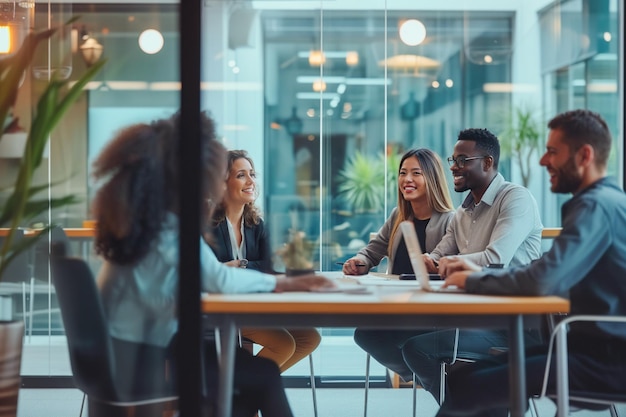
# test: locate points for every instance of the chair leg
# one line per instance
(82, 405)
(24, 305)
(414, 395)
(442, 383)
(367, 383)
(533, 407)
(313, 385)
(32, 309)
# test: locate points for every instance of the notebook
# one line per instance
(419, 268)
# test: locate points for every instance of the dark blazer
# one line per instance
(258, 250)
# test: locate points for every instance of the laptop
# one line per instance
(415, 255)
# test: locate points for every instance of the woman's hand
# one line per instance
(431, 265)
(310, 282)
(354, 266)
(233, 263)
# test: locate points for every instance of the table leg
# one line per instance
(517, 370)
(562, 377)
(228, 334)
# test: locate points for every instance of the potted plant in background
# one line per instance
(297, 253)
(520, 139)
(362, 186)
(24, 201)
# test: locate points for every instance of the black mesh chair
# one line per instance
(103, 368)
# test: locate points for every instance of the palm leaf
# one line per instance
(51, 106)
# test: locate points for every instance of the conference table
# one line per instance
(376, 306)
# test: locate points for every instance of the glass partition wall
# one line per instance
(326, 96)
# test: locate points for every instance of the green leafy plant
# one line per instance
(361, 185)
(362, 181)
(23, 204)
(521, 139)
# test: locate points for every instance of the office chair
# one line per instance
(445, 362)
(591, 400)
(98, 368)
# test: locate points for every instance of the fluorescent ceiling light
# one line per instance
(317, 96)
(509, 88)
(165, 86)
(368, 81)
(327, 54)
(602, 87)
(406, 62)
(304, 79)
(127, 85)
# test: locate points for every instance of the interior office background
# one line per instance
(325, 96)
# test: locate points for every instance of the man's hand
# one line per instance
(354, 266)
(450, 264)
(430, 263)
(234, 263)
(456, 270)
(309, 282)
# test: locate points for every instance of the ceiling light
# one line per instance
(317, 96)
(319, 85)
(414, 62)
(352, 58)
(412, 32)
(151, 41)
(91, 51)
(316, 58)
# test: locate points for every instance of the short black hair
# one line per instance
(485, 141)
(581, 127)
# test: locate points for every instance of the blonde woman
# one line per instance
(424, 198)
(241, 240)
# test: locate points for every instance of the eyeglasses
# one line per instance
(462, 159)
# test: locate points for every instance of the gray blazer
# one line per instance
(376, 249)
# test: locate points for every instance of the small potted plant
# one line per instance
(296, 254)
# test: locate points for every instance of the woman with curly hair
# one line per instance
(136, 209)
(241, 240)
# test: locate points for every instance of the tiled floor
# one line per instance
(332, 402)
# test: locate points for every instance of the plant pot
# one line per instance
(11, 338)
(297, 272)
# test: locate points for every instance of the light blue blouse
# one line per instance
(141, 300)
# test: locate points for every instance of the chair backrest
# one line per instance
(88, 340)
(41, 253)
(106, 369)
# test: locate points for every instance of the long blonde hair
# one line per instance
(437, 192)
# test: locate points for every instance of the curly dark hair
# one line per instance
(251, 213)
(140, 170)
(485, 141)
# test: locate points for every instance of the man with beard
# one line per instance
(587, 261)
(497, 223)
